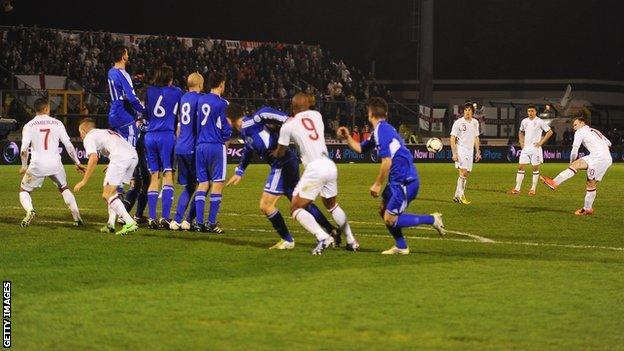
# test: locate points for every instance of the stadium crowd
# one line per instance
(268, 71)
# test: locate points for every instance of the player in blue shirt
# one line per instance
(214, 128)
(162, 99)
(260, 133)
(185, 151)
(124, 103)
(397, 165)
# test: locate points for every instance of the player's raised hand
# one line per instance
(375, 189)
(343, 132)
(234, 180)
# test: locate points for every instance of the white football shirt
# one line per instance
(109, 144)
(465, 131)
(532, 129)
(306, 129)
(43, 134)
(593, 140)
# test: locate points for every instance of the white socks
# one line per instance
(565, 175)
(341, 219)
(112, 217)
(534, 180)
(26, 201)
(70, 201)
(590, 196)
(519, 179)
(309, 223)
(461, 186)
(116, 205)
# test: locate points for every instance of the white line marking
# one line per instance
(472, 236)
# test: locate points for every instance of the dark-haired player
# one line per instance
(464, 140)
(214, 128)
(596, 163)
(397, 167)
(161, 102)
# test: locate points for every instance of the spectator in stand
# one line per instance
(356, 134)
(548, 112)
(568, 136)
(365, 133)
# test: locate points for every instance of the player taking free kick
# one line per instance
(596, 163)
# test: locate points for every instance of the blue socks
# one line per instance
(183, 202)
(320, 218)
(280, 226)
(200, 204)
(152, 203)
(167, 201)
(412, 220)
(397, 234)
(215, 205)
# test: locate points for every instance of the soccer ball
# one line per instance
(434, 145)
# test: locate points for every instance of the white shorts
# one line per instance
(319, 177)
(465, 160)
(597, 166)
(32, 180)
(120, 171)
(534, 157)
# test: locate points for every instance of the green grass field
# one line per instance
(549, 280)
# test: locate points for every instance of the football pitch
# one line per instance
(513, 273)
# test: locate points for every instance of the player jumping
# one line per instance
(122, 161)
(596, 163)
(464, 140)
(531, 141)
(162, 101)
(320, 175)
(42, 134)
(397, 166)
(259, 131)
(185, 152)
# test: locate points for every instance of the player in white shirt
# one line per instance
(123, 160)
(596, 163)
(464, 140)
(42, 134)
(531, 141)
(320, 175)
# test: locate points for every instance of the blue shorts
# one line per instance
(125, 125)
(186, 169)
(397, 196)
(159, 150)
(283, 179)
(210, 162)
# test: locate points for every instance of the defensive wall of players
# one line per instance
(342, 154)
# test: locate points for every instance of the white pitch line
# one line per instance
(517, 243)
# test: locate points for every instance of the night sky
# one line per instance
(474, 39)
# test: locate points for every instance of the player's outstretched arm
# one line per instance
(343, 133)
(93, 160)
(71, 151)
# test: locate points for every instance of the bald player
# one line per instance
(122, 161)
(320, 176)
